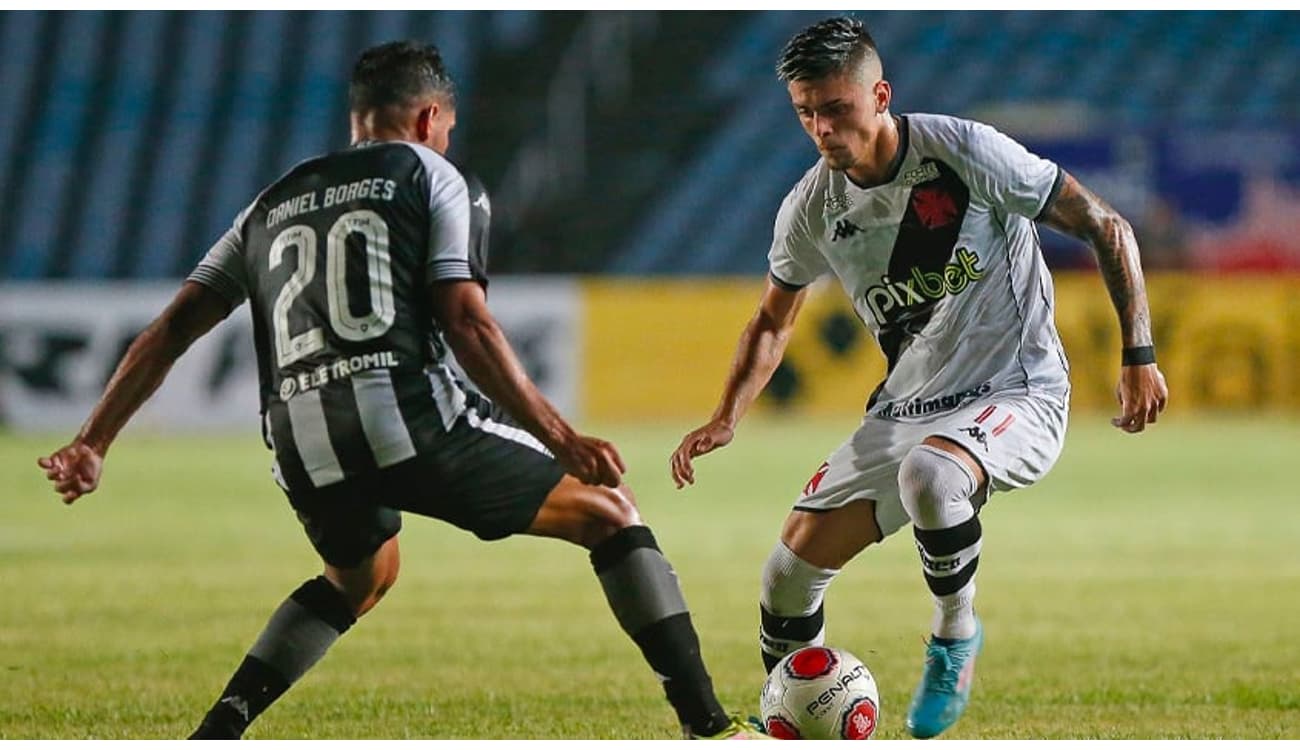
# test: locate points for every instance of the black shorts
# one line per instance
(488, 476)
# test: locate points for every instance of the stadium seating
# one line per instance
(130, 140)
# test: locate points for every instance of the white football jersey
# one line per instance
(942, 263)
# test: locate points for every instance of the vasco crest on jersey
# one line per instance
(934, 207)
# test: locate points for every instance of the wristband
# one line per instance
(1138, 355)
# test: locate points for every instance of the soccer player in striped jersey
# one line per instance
(928, 223)
(363, 269)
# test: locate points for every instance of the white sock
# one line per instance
(954, 614)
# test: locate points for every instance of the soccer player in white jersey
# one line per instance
(928, 223)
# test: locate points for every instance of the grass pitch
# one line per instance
(1148, 588)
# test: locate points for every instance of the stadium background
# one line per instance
(636, 160)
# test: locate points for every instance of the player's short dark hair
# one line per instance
(398, 74)
(826, 48)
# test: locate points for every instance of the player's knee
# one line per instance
(935, 487)
(611, 510)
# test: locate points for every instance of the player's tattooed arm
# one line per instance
(1141, 392)
(1078, 212)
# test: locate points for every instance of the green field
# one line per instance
(1148, 588)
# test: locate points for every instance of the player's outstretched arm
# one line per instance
(762, 344)
(460, 308)
(1078, 212)
(75, 468)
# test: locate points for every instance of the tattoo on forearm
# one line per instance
(1079, 213)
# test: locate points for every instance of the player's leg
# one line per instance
(943, 481)
(938, 482)
(814, 546)
(849, 503)
(359, 546)
(494, 479)
(642, 590)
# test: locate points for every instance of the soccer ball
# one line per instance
(820, 693)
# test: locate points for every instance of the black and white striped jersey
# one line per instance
(336, 259)
(942, 264)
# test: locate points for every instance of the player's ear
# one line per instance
(424, 121)
(882, 92)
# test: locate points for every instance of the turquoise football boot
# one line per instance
(945, 687)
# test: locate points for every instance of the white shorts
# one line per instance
(1015, 437)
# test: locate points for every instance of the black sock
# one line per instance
(642, 589)
(251, 690)
(949, 557)
(295, 638)
(780, 635)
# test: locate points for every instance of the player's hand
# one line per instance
(696, 443)
(1142, 395)
(591, 460)
(74, 469)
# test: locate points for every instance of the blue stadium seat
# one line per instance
(130, 140)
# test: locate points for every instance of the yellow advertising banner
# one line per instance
(661, 349)
(1223, 342)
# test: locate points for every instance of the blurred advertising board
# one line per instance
(619, 350)
(59, 343)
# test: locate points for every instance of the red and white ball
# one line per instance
(820, 693)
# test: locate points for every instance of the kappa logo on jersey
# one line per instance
(977, 432)
(934, 206)
(844, 228)
(482, 202)
(816, 480)
(977, 435)
(922, 287)
(924, 173)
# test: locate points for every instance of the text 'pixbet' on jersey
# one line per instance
(921, 287)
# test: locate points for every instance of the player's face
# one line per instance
(841, 114)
